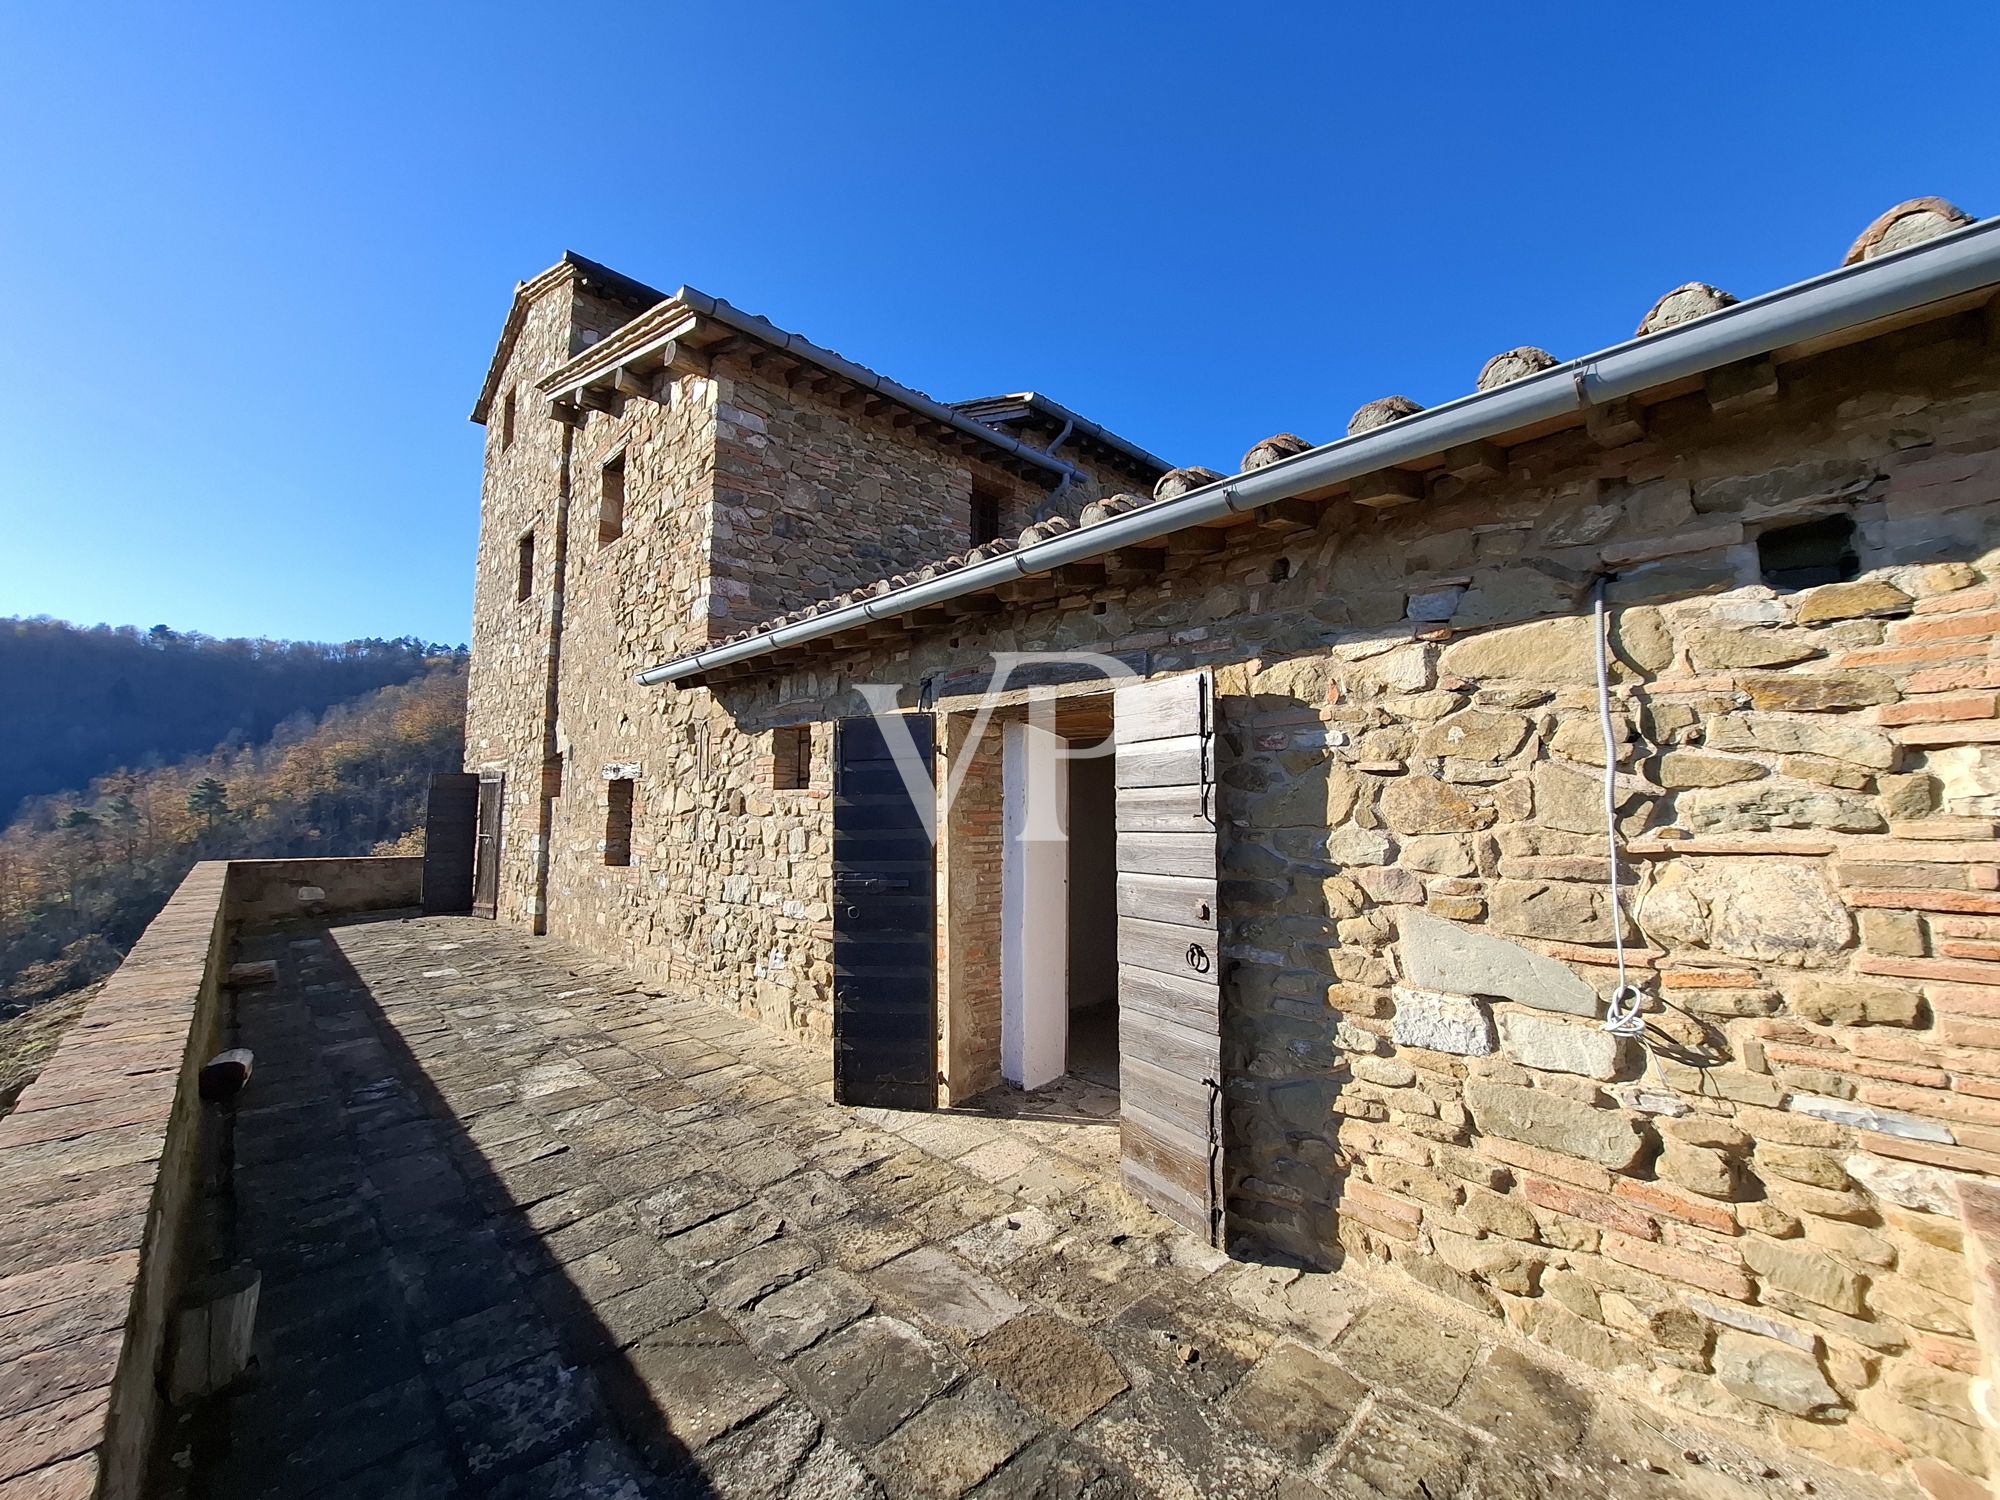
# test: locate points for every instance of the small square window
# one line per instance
(1808, 554)
(611, 501)
(618, 822)
(791, 758)
(524, 571)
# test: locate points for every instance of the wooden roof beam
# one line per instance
(1749, 382)
(1286, 515)
(1386, 488)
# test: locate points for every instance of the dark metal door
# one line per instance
(448, 840)
(486, 857)
(884, 921)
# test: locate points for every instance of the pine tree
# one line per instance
(209, 801)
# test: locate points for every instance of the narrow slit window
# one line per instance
(618, 823)
(1809, 554)
(611, 501)
(985, 515)
(524, 572)
(507, 421)
(791, 758)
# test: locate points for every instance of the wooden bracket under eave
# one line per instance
(1386, 489)
(1476, 460)
(974, 604)
(1615, 423)
(1089, 574)
(1134, 562)
(1286, 515)
(633, 386)
(1196, 541)
(1748, 382)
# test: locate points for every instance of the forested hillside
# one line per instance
(77, 701)
(81, 874)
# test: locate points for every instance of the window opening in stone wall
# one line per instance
(1808, 554)
(611, 501)
(618, 823)
(791, 758)
(524, 574)
(985, 514)
(507, 421)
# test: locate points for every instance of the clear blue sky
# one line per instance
(256, 257)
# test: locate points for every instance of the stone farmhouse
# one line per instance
(1338, 911)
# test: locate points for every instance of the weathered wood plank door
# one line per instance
(1169, 983)
(884, 920)
(486, 855)
(449, 822)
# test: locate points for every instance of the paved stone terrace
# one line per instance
(528, 1231)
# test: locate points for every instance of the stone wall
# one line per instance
(270, 890)
(743, 498)
(100, 1170)
(1749, 1213)
(814, 498)
(526, 476)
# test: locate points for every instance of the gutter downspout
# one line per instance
(1965, 260)
(1048, 506)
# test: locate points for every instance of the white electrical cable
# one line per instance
(1623, 1011)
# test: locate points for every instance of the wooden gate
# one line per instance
(486, 855)
(448, 843)
(884, 921)
(1169, 981)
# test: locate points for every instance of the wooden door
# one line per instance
(486, 853)
(884, 920)
(448, 839)
(1169, 982)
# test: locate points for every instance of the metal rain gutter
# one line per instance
(1949, 266)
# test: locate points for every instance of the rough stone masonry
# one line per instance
(1751, 1212)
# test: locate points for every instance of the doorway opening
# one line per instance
(1059, 927)
(1093, 920)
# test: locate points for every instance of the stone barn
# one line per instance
(1542, 843)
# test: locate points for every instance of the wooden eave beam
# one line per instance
(1089, 574)
(974, 604)
(1747, 383)
(1196, 541)
(1134, 565)
(1615, 423)
(1476, 460)
(1386, 489)
(633, 386)
(1286, 515)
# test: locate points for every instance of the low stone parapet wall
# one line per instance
(100, 1171)
(269, 890)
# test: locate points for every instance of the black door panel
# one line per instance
(884, 921)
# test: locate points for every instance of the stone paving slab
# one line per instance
(528, 1230)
